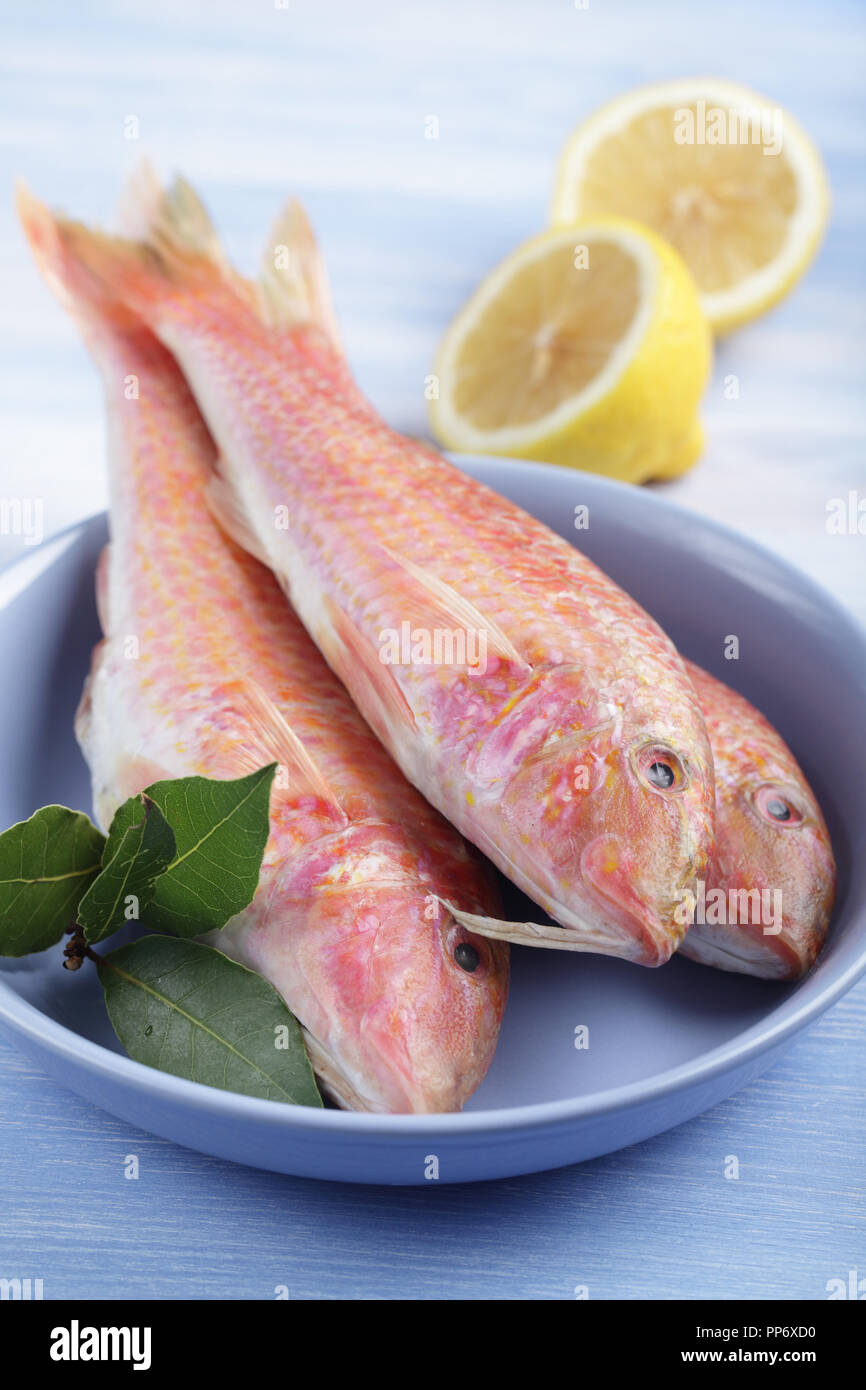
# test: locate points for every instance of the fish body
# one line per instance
(771, 880)
(562, 737)
(205, 670)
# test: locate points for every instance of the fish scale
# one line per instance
(347, 921)
(380, 531)
(789, 860)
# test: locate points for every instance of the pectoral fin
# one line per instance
(228, 512)
(267, 737)
(371, 682)
(431, 603)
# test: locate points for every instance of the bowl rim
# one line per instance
(800, 1008)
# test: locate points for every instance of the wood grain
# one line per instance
(254, 102)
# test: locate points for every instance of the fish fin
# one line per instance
(293, 287)
(543, 934)
(443, 606)
(98, 275)
(83, 723)
(139, 198)
(88, 271)
(228, 511)
(268, 738)
(372, 684)
(149, 212)
(173, 225)
(103, 591)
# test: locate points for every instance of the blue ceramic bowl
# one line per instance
(664, 1044)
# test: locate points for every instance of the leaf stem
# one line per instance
(77, 948)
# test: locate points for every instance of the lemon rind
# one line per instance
(636, 242)
(763, 288)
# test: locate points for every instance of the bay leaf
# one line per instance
(140, 846)
(185, 1008)
(47, 863)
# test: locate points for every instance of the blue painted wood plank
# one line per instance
(254, 102)
(658, 1220)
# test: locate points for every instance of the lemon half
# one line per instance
(727, 177)
(586, 347)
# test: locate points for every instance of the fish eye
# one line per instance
(466, 956)
(660, 774)
(776, 805)
(660, 768)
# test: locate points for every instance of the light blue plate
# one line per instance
(664, 1044)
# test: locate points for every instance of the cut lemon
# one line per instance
(729, 179)
(586, 347)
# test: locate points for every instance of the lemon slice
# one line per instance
(729, 179)
(586, 347)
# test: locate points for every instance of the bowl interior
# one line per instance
(802, 661)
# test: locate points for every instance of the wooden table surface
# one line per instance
(253, 101)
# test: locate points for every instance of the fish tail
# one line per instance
(89, 272)
(169, 252)
(173, 229)
(174, 225)
(293, 288)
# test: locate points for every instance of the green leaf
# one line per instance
(221, 829)
(127, 814)
(187, 1009)
(140, 847)
(46, 864)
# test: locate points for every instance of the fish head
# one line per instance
(619, 796)
(774, 862)
(646, 828)
(401, 1004)
(771, 880)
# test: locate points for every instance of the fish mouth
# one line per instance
(644, 936)
(333, 1082)
(655, 935)
(337, 1086)
(742, 954)
(606, 923)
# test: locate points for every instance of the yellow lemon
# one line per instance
(586, 347)
(729, 179)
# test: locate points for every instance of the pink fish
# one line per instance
(526, 695)
(771, 879)
(205, 670)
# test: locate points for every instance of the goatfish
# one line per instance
(765, 906)
(527, 696)
(204, 670)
